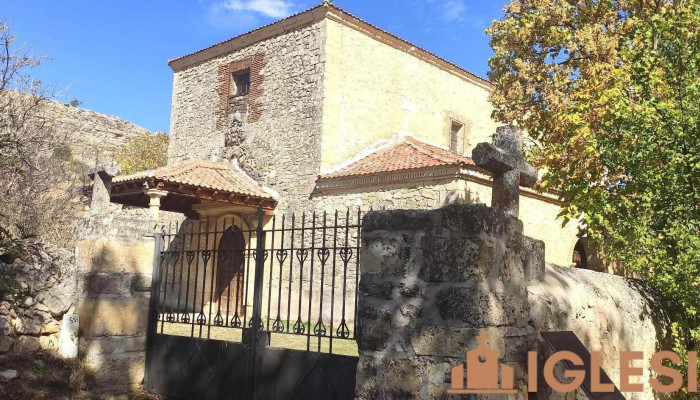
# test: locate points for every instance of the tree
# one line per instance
(40, 181)
(143, 152)
(610, 89)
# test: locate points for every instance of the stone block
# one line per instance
(112, 256)
(475, 308)
(28, 325)
(533, 260)
(374, 328)
(48, 342)
(381, 255)
(6, 343)
(110, 285)
(51, 327)
(28, 344)
(453, 258)
(376, 286)
(100, 317)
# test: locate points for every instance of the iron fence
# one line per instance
(295, 275)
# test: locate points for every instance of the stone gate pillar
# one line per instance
(115, 262)
(431, 283)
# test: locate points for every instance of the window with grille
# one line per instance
(241, 83)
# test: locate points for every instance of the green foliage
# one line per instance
(147, 151)
(610, 89)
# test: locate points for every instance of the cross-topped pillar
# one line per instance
(504, 159)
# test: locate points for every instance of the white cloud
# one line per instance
(268, 8)
(454, 10)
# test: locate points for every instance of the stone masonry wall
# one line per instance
(430, 282)
(277, 138)
(607, 312)
(48, 279)
(409, 195)
(539, 217)
(115, 260)
(375, 92)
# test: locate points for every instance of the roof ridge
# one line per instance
(406, 153)
(324, 4)
(421, 146)
(170, 170)
(332, 6)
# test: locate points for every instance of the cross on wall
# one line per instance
(504, 159)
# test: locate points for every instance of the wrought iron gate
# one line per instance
(255, 308)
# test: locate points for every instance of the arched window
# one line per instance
(229, 272)
(580, 258)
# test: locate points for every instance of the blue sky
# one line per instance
(112, 55)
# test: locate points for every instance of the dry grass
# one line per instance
(278, 340)
(44, 376)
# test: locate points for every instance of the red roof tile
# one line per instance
(223, 177)
(407, 154)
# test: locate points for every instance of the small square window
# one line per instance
(241, 83)
(457, 137)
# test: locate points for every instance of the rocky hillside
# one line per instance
(89, 132)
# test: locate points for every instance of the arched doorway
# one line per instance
(230, 271)
(580, 258)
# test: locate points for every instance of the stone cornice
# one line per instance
(336, 186)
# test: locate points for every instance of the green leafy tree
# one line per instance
(610, 90)
(147, 151)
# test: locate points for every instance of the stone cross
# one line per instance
(504, 159)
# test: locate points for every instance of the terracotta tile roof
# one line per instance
(407, 154)
(222, 177)
(289, 22)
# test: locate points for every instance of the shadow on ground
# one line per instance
(43, 375)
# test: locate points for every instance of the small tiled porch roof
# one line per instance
(192, 182)
(407, 154)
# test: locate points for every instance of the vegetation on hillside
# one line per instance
(41, 181)
(611, 91)
(147, 151)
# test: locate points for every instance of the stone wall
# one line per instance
(407, 195)
(115, 261)
(277, 137)
(374, 91)
(539, 216)
(607, 312)
(430, 282)
(48, 281)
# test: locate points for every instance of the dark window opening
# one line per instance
(457, 137)
(579, 257)
(241, 83)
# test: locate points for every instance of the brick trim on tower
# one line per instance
(225, 75)
(255, 107)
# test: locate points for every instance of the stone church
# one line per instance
(322, 110)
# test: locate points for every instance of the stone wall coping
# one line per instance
(332, 186)
(468, 218)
